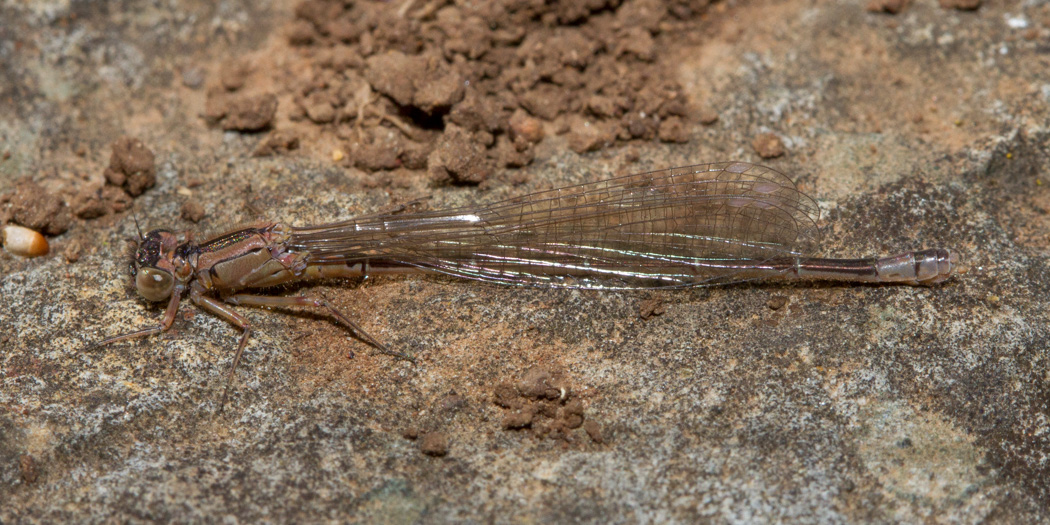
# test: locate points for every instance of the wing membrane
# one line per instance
(683, 226)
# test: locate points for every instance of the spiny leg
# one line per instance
(280, 301)
(216, 307)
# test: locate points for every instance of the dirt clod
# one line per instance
(962, 5)
(708, 116)
(320, 112)
(434, 444)
(526, 127)
(768, 146)
(651, 307)
(542, 404)
(427, 83)
(35, 208)
(277, 143)
(88, 203)
(241, 112)
(573, 414)
(517, 419)
(72, 251)
(506, 396)
(192, 211)
(638, 42)
(459, 157)
(673, 129)
(591, 137)
(887, 6)
(540, 383)
(131, 166)
(477, 113)
(485, 76)
(375, 156)
(593, 431)
(234, 74)
(28, 468)
(117, 199)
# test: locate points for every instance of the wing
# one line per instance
(683, 226)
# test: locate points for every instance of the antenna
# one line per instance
(137, 228)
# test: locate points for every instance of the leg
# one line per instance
(165, 322)
(227, 313)
(280, 301)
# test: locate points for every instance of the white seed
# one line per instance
(22, 241)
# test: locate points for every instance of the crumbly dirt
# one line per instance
(241, 112)
(463, 90)
(192, 211)
(768, 146)
(277, 143)
(542, 403)
(35, 208)
(130, 172)
(652, 306)
(434, 444)
(131, 166)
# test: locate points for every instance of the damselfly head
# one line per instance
(154, 278)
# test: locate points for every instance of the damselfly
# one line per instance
(688, 226)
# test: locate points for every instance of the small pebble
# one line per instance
(961, 5)
(192, 211)
(518, 419)
(72, 251)
(321, 113)
(29, 469)
(776, 302)
(20, 240)
(193, 78)
(434, 444)
(708, 116)
(651, 307)
(529, 128)
(594, 432)
(768, 146)
(887, 6)
(506, 396)
(673, 129)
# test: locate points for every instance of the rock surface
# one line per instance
(846, 403)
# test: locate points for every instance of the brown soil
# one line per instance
(130, 173)
(465, 90)
(459, 91)
(542, 403)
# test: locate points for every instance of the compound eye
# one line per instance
(154, 284)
